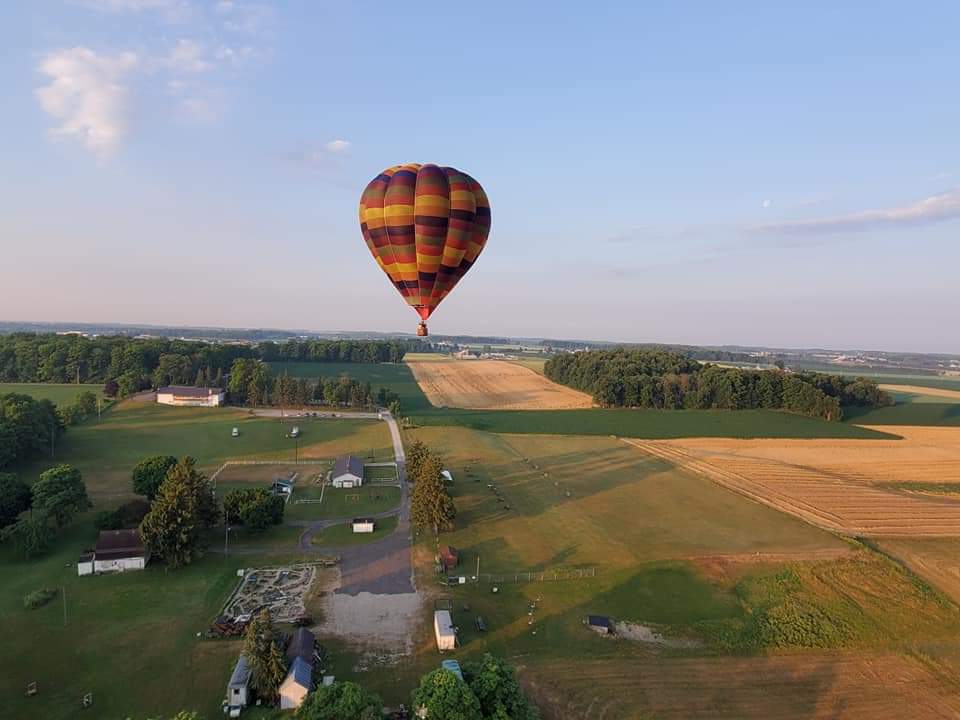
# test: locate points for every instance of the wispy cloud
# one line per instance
(88, 96)
(933, 209)
(187, 56)
(338, 146)
(172, 10)
(244, 17)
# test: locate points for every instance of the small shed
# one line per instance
(296, 685)
(116, 551)
(347, 472)
(238, 689)
(600, 624)
(447, 476)
(444, 630)
(453, 666)
(282, 486)
(302, 645)
(363, 525)
(449, 557)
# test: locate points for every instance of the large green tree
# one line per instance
(494, 683)
(267, 663)
(31, 535)
(341, 701)
(444, 696)
(255, 508)
(61, 493)
(149, 473)
(184, 505)
(15, 497)
(431, 506)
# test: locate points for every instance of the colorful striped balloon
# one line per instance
(425, 226)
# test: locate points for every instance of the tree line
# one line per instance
(28, 428)
(253, 383)
(669, 380)
(133, 364)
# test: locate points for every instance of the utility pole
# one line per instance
(98, 410)
(63, 591)
(226, 532)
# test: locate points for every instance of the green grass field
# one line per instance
(342, 534)
(341, 503)
(106, 452)
(59, 394)
(396, 377)
(934, 412)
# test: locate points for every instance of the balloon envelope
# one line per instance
(425, 226)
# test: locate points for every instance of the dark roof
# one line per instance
(348, 463)
(185, 391)
(241, 673)
(301, 645)
(599, 621)
(119, 544)
(364, 520)
(301, 672)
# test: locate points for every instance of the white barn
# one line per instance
(116, 551)
(444, 630)
(191, 396)
(347, 472)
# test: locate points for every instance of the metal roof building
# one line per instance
(347, 472)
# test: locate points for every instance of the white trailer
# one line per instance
(444, 630)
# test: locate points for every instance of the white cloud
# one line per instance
(338, 146)
(244, 17)
(173, 10)
(187, 56)
(87, 95)
(765, 204)
(936, 208)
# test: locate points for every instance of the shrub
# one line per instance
(38, 598)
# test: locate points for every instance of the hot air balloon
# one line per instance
(425, 226)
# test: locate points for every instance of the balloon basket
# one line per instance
(422, 330)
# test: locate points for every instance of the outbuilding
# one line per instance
(600, 624)
(347, 472)
(449, 557)
(363, 525)
(297, 684)
(116, 551)
(444, 630)
(302, 645)
(191, 396)
(238, 689)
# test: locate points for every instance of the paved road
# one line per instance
(382, 567)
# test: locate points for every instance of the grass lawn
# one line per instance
(59, 394)
(342, 534)
(341, 503)
(106, 452)
(129, 638)
(379, 472)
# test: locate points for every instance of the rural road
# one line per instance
(382, 567)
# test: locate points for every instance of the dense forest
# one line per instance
(669, 380)
(136, 364)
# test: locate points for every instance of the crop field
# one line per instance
(393, 376)
(935, 560)
(535, 364)
(106, 452)
(925, 393)
(493, 385)
(58, 394)
(840, 485)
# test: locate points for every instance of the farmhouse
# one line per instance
(444, 630)
(238, 688)
(347, 472)
(363, 525)
(296, 685)
(193, 396)
(116, 551)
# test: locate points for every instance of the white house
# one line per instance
(196, 396)
(347, 472)
(363, 525)
(444, 630)
(238, 689)
(116, 551)
(296, 685)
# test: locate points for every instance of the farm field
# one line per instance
(935, 560)
(925, 393)
(835, 484)
(911, 408)
(393, 376)
(106, 452)
(492, 385)
(57, 393)
(535, 364)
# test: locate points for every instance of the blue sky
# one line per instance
(676, 172)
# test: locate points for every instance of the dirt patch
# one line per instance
(929, 391)
(646, 634)
(838, 485)
(381, 627)
(282, 590)
(492, 385)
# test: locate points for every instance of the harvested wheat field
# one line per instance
(929, 391)
(492, 385)
(807, 686)
(839, 485)
(935, 560)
